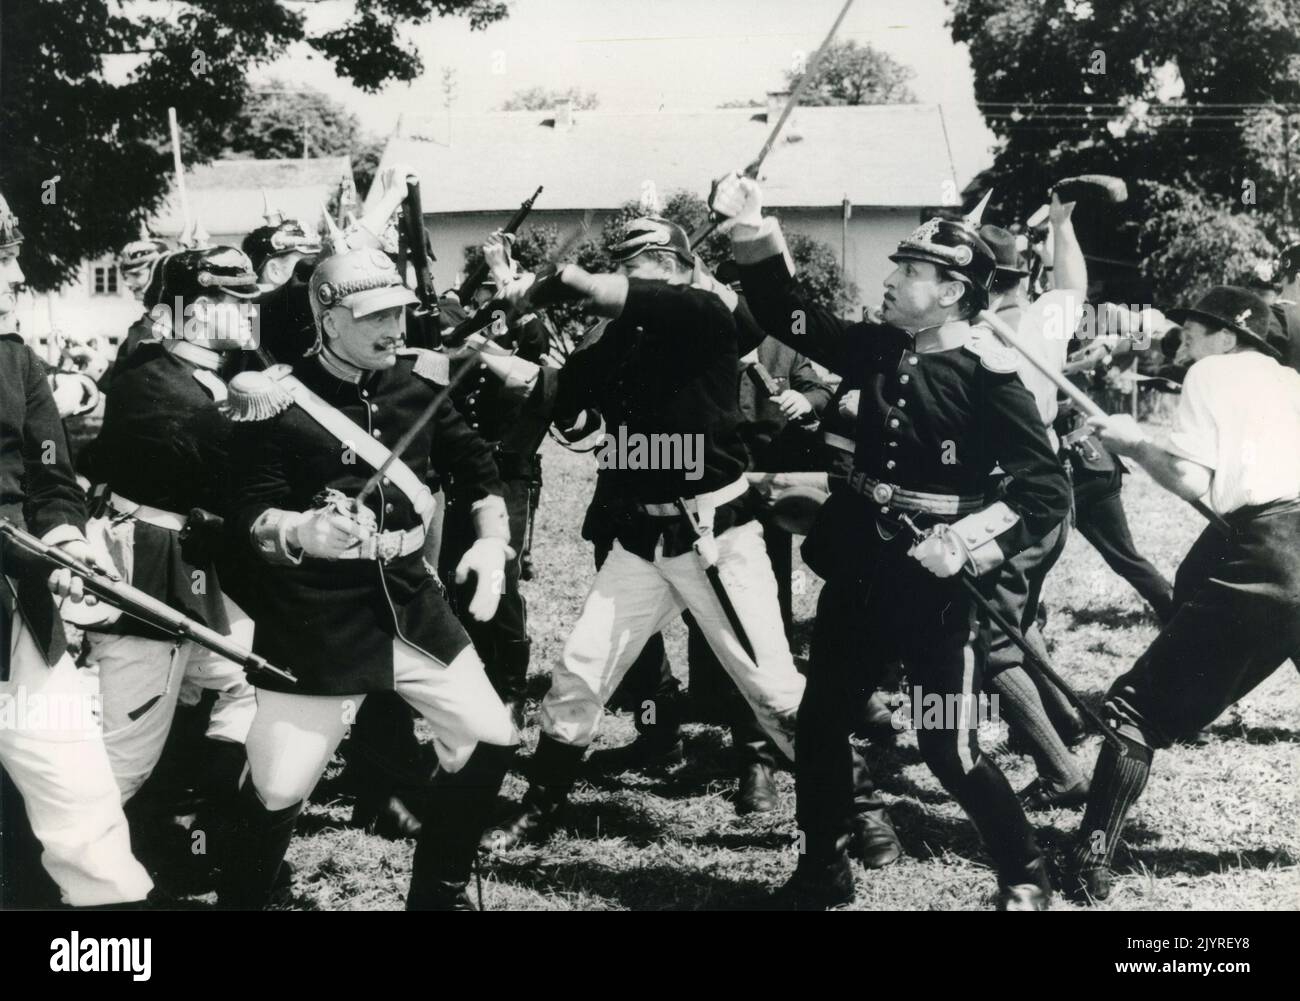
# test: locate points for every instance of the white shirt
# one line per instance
(1240, 415)
(1046, 328)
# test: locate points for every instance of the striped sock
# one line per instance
(1023, 709)
(1116, 784)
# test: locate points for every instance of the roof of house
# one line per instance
(226, 195)
(875, 155)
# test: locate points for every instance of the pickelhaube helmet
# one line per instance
(364, 281)
(653, 233)
(144, 252)
(188, 274)
(275, 239)
(955, 246)
(10, 234)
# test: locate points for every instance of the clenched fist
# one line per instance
(738, 200)
(326, 534)
(793, 404)
(941, 553)
(64, 583)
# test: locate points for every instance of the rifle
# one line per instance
(135, 603)
(480, 271)
(425, 314)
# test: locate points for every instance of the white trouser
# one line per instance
(52, 748)
(140, 682)
(632, 599)
(293, 737)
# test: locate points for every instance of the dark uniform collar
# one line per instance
(342, 370)
(941, 337)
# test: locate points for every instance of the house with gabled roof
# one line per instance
(888, 163)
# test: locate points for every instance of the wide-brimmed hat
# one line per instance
(1231, 308)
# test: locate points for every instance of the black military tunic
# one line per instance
(165, 444)
(666, 366)
(333, 622)
(38, 491)
(929, 431)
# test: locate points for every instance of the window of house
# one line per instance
(103, 279)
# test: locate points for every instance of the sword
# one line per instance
(708, 561)
(1031, 659)
(709, 225)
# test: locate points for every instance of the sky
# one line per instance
(653, 54)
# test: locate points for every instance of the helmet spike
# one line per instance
(273, 217)
(977, 213)
(333, 237)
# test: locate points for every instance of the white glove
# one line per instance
(738, 200)
(941, 553)
(486, 559)
(325, 534)
(848, 403)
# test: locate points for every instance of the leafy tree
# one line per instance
(276, 119)
(544, 98)
(1189, 242)
(850, 73)
(86, 152)
(1185, 94)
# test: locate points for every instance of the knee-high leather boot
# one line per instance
(460, 808)
(253, 854)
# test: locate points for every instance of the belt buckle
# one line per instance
(882, 493)
(390, 546)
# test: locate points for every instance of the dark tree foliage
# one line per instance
(1189, 100)
(85, 86)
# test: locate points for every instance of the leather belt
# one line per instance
(388, 546)
(155, 516)
(714, 499)
(889, 495)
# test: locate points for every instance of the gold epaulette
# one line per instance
(257, 396)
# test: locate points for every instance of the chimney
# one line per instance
(775, 103)
(563, 115)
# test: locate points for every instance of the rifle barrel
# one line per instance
(136, 603)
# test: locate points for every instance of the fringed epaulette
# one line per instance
(995, 356)
(257, 396)
(431, 366)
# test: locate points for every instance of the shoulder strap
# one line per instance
(375, 453)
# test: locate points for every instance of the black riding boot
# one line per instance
(823, 878)
(254, 852)
(460, 807)
(875, 842)
(553, 771)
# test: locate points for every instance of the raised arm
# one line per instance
(767, 272)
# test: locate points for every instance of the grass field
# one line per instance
(1217, 829)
